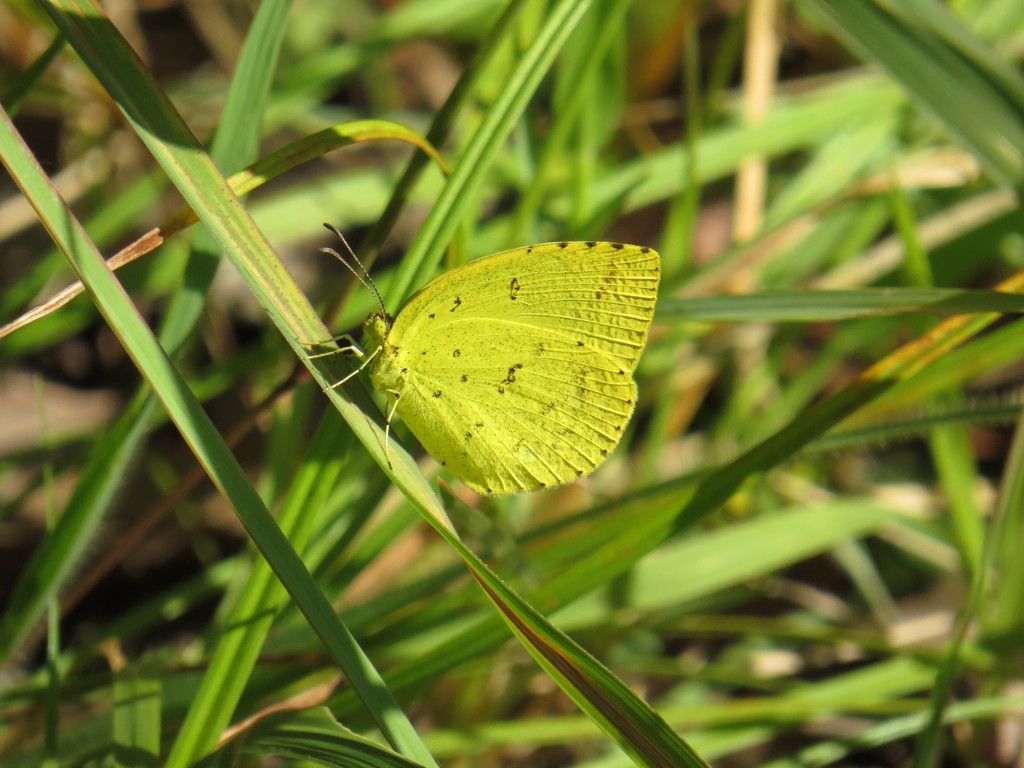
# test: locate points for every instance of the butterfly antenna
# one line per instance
(361, 274)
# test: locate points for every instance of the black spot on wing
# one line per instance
(510, 377)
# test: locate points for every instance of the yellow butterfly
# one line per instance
(515, 370)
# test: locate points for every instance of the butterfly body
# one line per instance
(515, 370)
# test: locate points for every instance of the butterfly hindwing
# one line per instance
(515, 370)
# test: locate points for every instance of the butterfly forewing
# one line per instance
(516, 369)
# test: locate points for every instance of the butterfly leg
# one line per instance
(387, 429)
(366, 362)
(351, 349)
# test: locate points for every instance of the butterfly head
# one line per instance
(375, 330)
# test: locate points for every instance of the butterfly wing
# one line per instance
(515, 370)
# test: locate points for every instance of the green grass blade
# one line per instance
(440, 128)
(456, 199)
(315, 736)
(12, 100)
(51, 564)
(817, 306)
(136, 719)
(257, 606)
